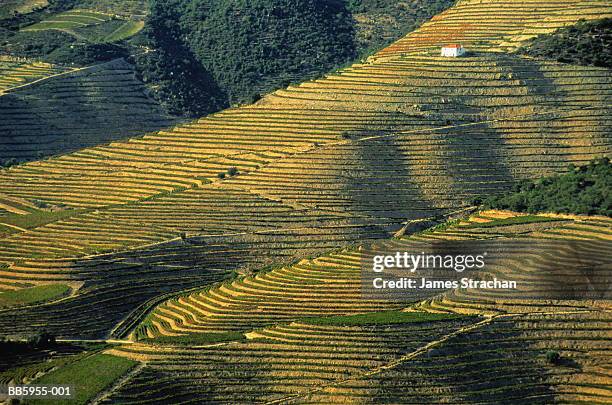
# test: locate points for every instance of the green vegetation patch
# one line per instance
(88, 376)
(526, 219)
(96, 33)
(583, 190)
(36, 44)
(86, 27)
(77, 32)
(126, 30)
(30, 371)
(111, 31)
(22, 362)
(69, 20)
(33, 295)
(586, 43)
(9, 8)
(381, 318)
(38, 218)
(197, 339)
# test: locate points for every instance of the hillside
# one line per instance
(386, 105)
(72, 110)
(379, 23)
(60, 37)
(243, 49)
(65, 83)
(220, 260)
(200, 56)
(284, 328)
(310, 361)
(165, 185)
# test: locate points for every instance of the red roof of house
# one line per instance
(453, 46)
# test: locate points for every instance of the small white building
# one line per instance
(453, 50)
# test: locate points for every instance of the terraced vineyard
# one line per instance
(70, 20)
(223, 254)
(284, 357)
(90, 26)
(15, 73)
(339, 175)
(330, 285)
(126, 8)
(498, 24)
(359, 143)
(115, 289)
(34, 126)
(289, 360)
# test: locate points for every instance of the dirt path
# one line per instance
(11, 89)
(14, 227)
(388, 366)
(115, 386)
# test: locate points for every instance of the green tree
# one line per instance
(255, 46)
(178, 81)
(41, 340)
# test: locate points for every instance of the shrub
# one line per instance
(253, 98)
(41, 340)
(40, 204)
(221, 176)
(232, 171)
(9, 162)
(478, 200)
(552, 357)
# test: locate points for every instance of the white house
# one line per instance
(453, 50)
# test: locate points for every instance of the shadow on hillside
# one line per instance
(459, 163)
(378, 182)
(128, 283)
(77, 110)
(476, 160)
(117, 284)
(483, 366)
